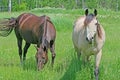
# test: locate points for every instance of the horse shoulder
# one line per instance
(78, 25)
(77, 31)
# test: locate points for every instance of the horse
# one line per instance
(33, 29)
(88, 38)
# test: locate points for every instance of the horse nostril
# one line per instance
(87, 39)
(92, 37)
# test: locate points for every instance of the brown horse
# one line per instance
(34, 30)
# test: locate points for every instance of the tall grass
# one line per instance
(66, 66)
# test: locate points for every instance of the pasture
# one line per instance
(67, 66)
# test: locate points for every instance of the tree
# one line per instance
(9, 6)
(68, 4)
(19, 1)
(77, 3)
(83, 4)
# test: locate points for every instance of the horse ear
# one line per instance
(86, 12)
(95, 12)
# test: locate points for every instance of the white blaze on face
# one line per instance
(91, 30)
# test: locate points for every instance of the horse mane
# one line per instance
(46, 19)
(44, 37)
(99, 31)
(45, 26)
(44, 41)
(89, 18)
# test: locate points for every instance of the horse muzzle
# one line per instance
(89, 40)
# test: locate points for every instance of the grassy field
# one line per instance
(66, 66)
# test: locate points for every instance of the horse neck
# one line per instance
(45, 27)
(44, 37)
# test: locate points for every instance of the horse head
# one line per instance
(41, 56)
(91, 25)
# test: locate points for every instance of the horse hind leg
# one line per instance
(52, 49)
(27, 45)
(19, 42)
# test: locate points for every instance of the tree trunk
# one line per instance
(77, 3)
(36, 4)
(19, 2)
(83, 4)
(117, 5)
(9, 6)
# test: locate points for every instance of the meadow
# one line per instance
(66, 66)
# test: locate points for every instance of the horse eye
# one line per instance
(40, 60)
(43, 57)
(96, 23)
(43, 60)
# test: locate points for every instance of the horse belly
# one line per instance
(29, 38)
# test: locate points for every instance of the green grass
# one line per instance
(66, 66)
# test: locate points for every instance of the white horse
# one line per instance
(88, 38)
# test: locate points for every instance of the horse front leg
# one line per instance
(78, 54)
(52, 49)
(27, 45)
(97, 62)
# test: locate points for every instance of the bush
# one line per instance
(20, 7)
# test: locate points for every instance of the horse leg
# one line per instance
(78, 55)
(19, 42)
(52, 49)
(27, 45)
(97, 62)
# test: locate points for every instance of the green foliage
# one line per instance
(67, 4)
(20, 7)
(67, 66)
(91, 4)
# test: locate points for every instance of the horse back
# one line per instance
(27, 20)
(30, 27)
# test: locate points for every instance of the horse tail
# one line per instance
(6, 27)
(5, 31)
